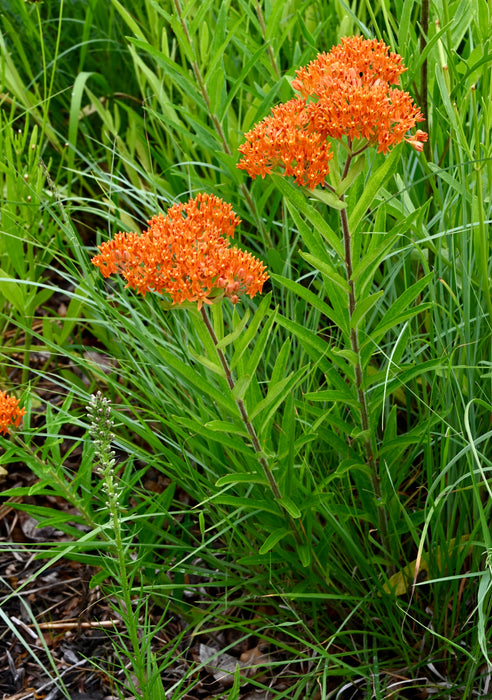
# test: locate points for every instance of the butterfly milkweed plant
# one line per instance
(348, 104)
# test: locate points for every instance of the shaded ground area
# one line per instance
(51, 620)
(58, 635)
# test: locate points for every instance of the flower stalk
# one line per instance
(99, 413)
(296, 527)
(347, 98)
(367, 428)
(242, 408)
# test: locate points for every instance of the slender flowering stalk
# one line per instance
(256, 443)
(367, 428)
(10, 413)
(242, 409)
(185, 254)
(349, 95)
(99, 413)
(101, 432)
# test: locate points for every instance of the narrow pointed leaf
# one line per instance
(273, 539)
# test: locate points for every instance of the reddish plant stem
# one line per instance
(359, 375)
(257, 447)
(242, 409)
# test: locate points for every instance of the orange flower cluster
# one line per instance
(10, 413)
(346, 92)
(185, 254)
(287, 139)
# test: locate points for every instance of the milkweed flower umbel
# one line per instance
(185, 254)
(10, 413)
(286, 139)
(347, 92)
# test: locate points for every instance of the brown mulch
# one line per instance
(49, 617)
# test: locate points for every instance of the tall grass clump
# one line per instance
(289, 363)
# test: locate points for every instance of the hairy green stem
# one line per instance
(99, 413)
(296, 531)
(126, 587)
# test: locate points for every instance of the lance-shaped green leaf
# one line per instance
(241, 387)
(260, 345)
(189, 375)
(248, 503)
(304, 552)
(244, 339)
(327, 197)
(373, 256)
(291, 508)
(334, 395)
(234, 86)
(300, 204)
(309, 234)
(274, 538)
(223, 426)
(176, 72)
(318, 349)
(277, 393)
(328, 271)
(374, 183)
(239, 328)
(229, 440)
(354, 172)
(401, 309)
(334, 314)
(388, 387)
(363, 307)
(212, 364)
(242, 478)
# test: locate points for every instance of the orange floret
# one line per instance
(367, 59)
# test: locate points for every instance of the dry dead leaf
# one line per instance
(221, 666)
(252, 659)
